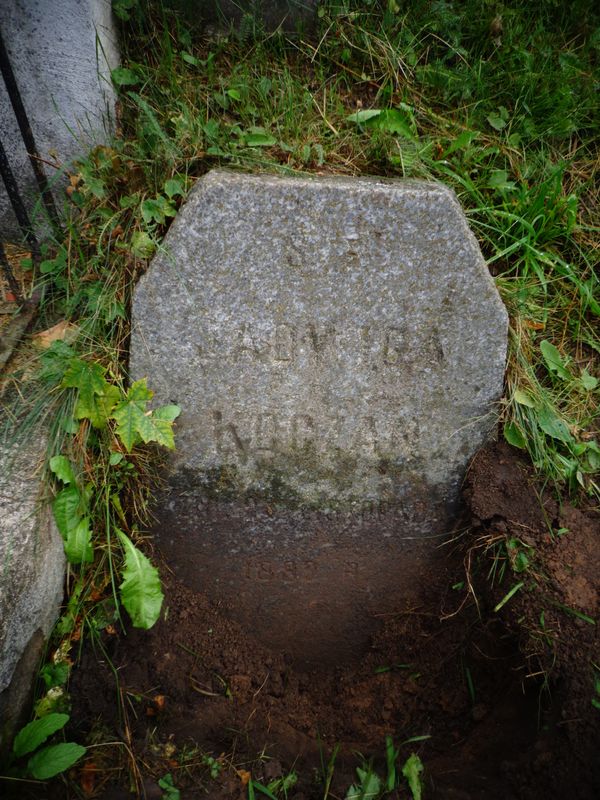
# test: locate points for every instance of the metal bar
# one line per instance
(27, 134)
(12, 190)
(9, 274)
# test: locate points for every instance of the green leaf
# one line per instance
(171, 791)
(234, 94)
(135, 423)
(122, 76)
(396, 120)
(142, 245)
(174, 187)
(190, 59)
(78, 543)
(35, 733)
(55, 674)
(461, 142)
(84, 375)
(96, 397)
(56, 361)
(496, 121)
(131, 411)
(412, 769)
(514, 436)
(55, 759)
(66, 510)
(554, 426)
(521, 562)
(61, 467)
(115, 458)
(360, 117)
(141, 592)
(259, 140)
(368, 788)
(588, 381)
(499, 180)
(168, 413)
(553, 360)
(524, 399)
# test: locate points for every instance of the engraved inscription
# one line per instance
(261, 437)
(284, 345)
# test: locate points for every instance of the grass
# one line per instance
(501, 106)
(500, 103)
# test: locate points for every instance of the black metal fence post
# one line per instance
(27, 134)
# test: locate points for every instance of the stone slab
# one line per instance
(61, 53)
(337, 347)
(32, 567)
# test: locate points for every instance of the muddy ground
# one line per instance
(504, 697)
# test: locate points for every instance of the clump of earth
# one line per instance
(498, 704)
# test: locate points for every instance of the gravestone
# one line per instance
(61, 53)
(32, 568)
(337, 347)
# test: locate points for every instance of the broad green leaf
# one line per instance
(78, 543)
(66, 510)
(496, 122)
(412, 769)
(588, 381)
(168, 413)
(142, 245)
(259, 140)
(141, 592)
(234, 94)
(396, 120)
(174, 187)
(131, 412)
(190, 59)
(461, 142)
(153, 429)
(524, 399)
(56, 361)
(55, 759)
(35, 733)
(115, 458)
(135, 423)
(593, 455)
(499, 180)
(368, 788)
(360, 117)
(554, 360)
(521, 562)
(554, 426)
(55, 674)
(514, 436)
(61, 467)
(96, 397)
(124, 77)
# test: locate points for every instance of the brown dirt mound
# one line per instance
(504, 699)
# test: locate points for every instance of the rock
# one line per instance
(61, 54)
(337, 347)
(31, 578)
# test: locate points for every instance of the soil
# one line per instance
(504, 697)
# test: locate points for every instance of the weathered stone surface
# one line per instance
(32, 566)
(337, 346)
(61, 53)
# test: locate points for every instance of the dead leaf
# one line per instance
(63, 330)
(535, 326)
(88, 777)
(159, 701)
(244, 776)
